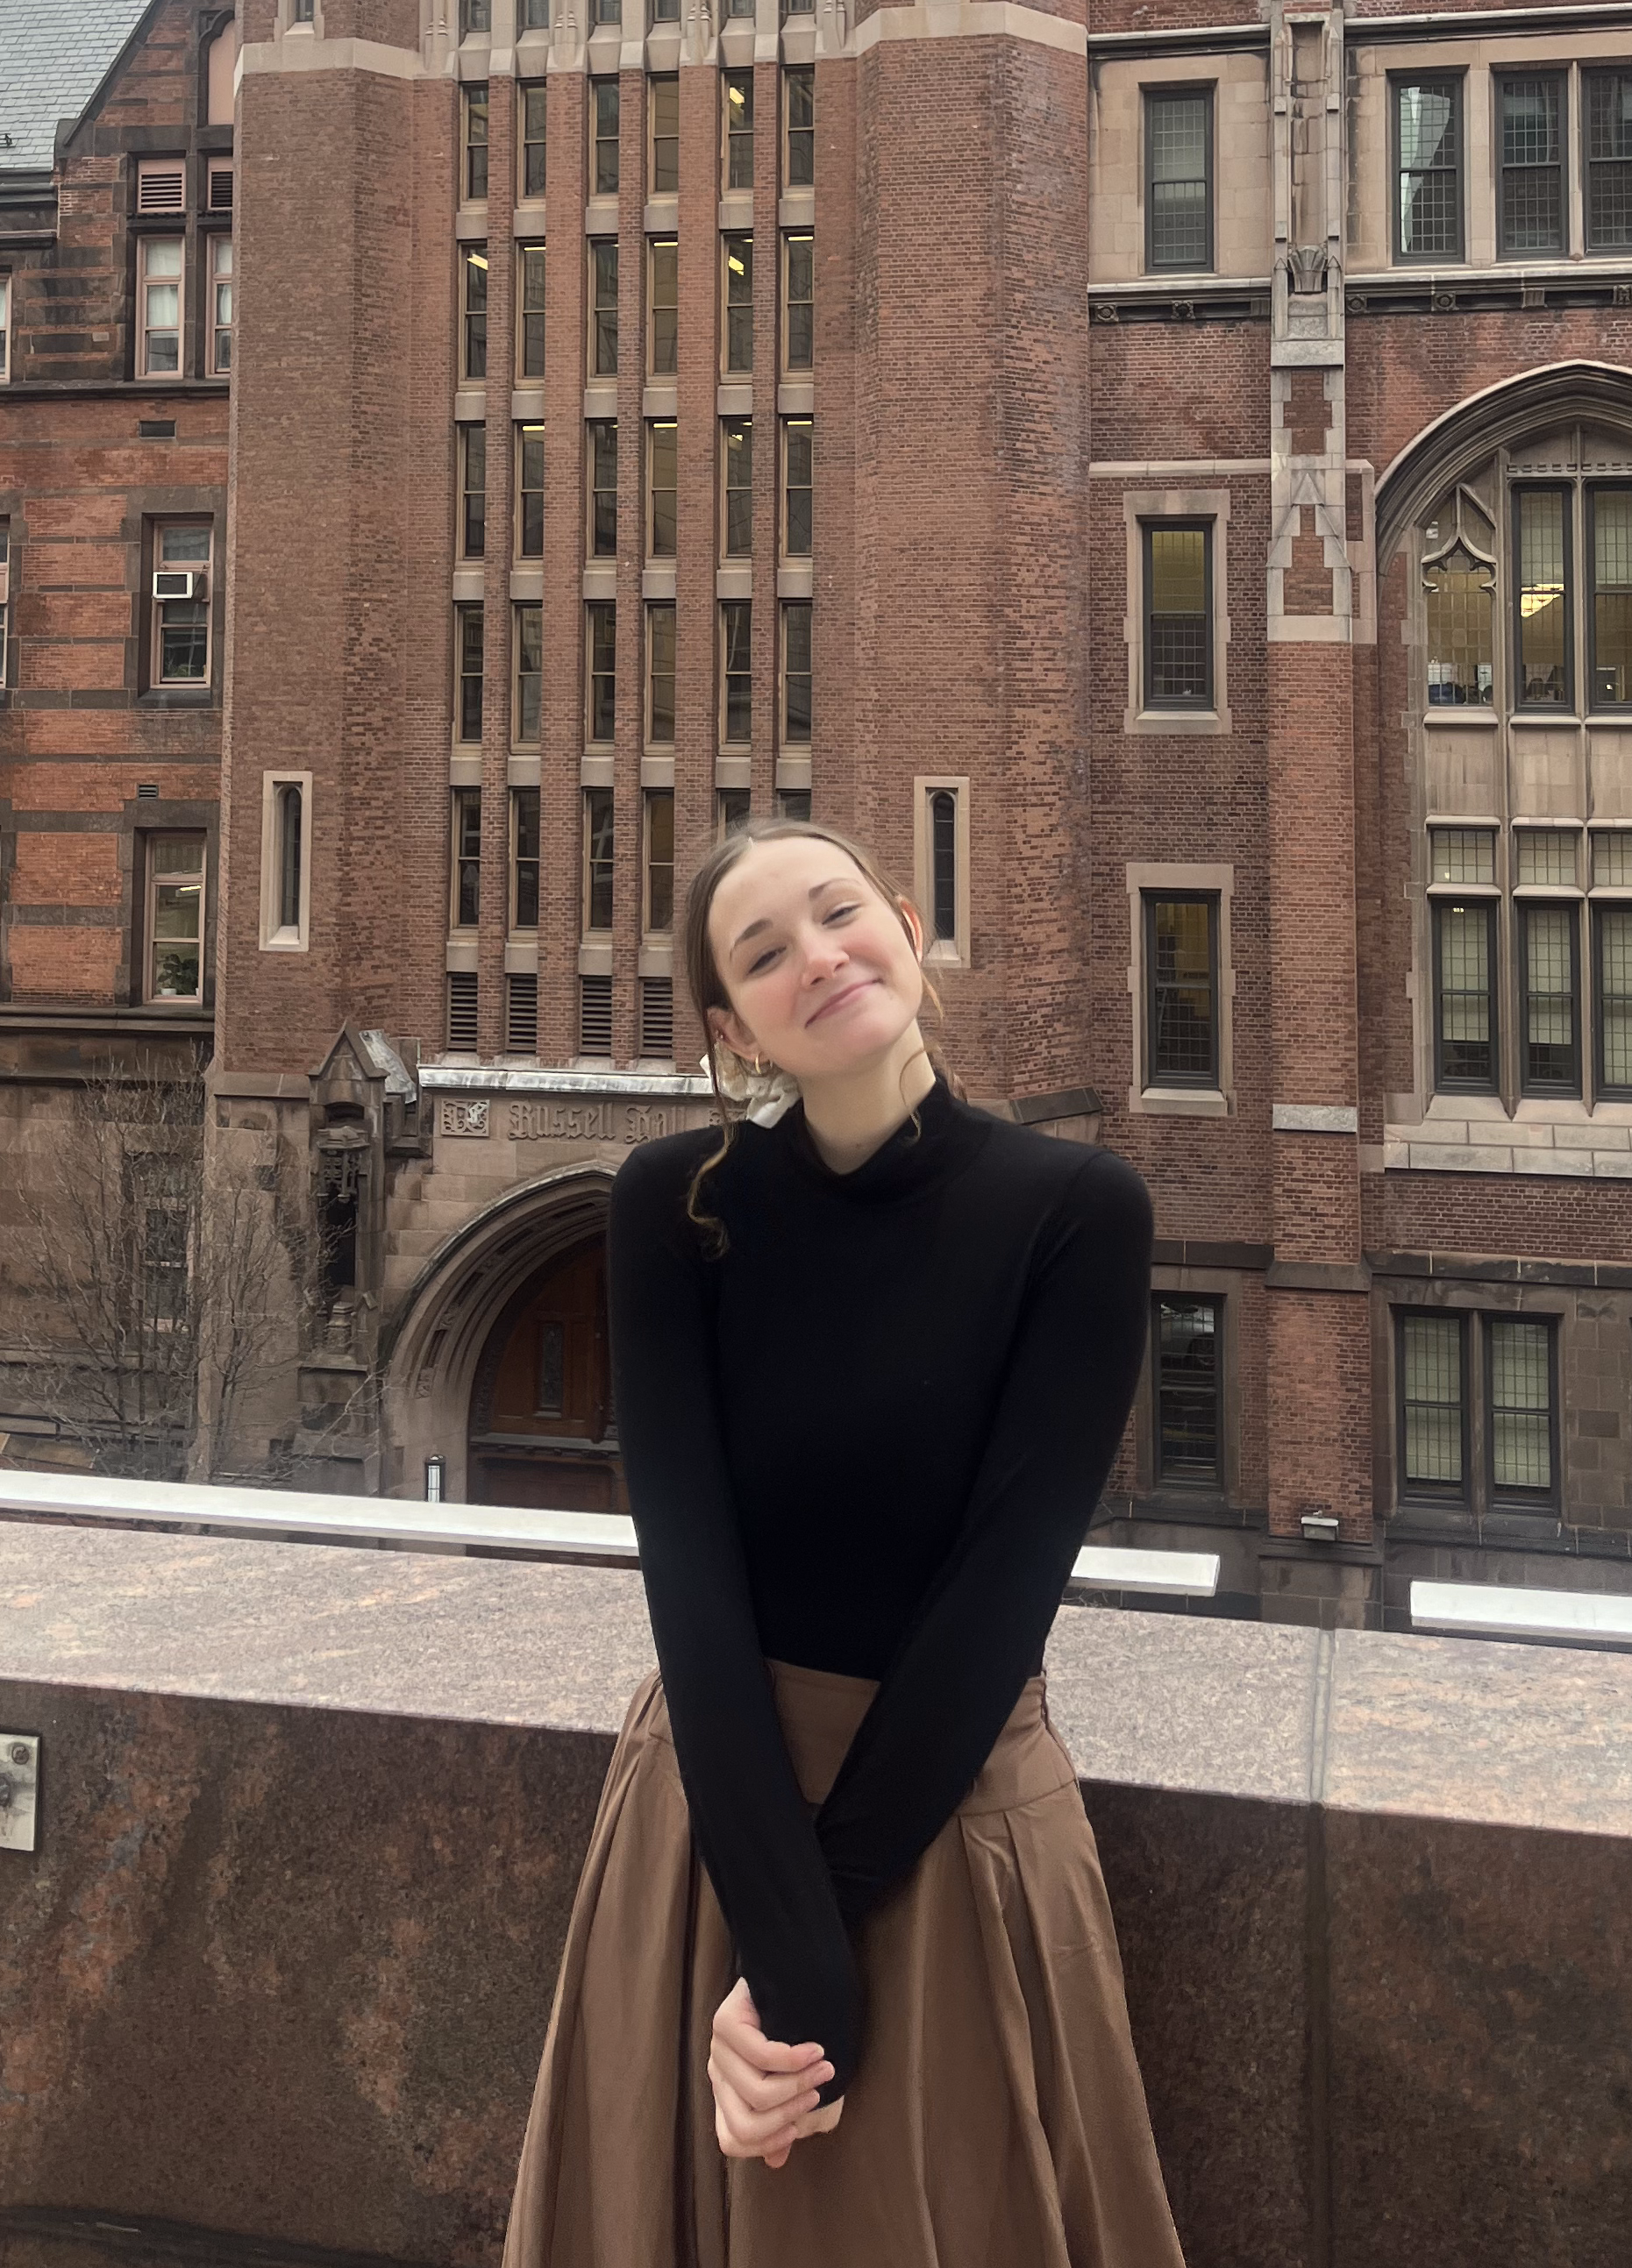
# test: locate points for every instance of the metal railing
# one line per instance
(1510, 1610)
(412, 1524)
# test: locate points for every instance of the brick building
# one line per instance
(1165, 479)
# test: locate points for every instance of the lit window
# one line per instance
(739, 151)
(737, 454)
(159, 298)
(662, 478)
(181, 629)
(466, 911)
(531, 492)
(220, 305)
(1542, 592)
(1609, 618)
(1178, 187)
(663, 314)
(1181, 990)
(738, 252)
(1461, 633)
(530, 330)
(175, 917)
(1178, 615)
(473, 272)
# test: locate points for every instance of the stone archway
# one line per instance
(469, 1297)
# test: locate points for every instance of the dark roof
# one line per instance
(54, 55)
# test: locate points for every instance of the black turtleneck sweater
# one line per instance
(869, 1439)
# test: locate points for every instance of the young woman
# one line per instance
(840, 1988)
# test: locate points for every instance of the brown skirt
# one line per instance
(996, 2119)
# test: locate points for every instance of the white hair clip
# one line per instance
(768, 1093)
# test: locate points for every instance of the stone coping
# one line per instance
(1454, 1728)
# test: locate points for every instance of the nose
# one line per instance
(823, 953)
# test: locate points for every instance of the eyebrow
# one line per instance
(814, 892)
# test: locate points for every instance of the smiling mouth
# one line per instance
(839, 999)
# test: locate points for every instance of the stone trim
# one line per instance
(1176, 503)
(1182, 1102)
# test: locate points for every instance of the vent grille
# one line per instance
(161, 188)
(521, 1017)
(594, 1016)
(657, 1016)
(147, 787)
(220, 197)
(461, 1012)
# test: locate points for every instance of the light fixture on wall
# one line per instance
(1319, 1528)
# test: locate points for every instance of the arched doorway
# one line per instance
(542, 1429)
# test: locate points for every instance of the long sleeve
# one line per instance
(1064, 1400)
(753, 1827)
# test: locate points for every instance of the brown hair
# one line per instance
(707, 987)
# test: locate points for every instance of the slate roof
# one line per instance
(52, 56)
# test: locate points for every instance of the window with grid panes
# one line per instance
(1530, 194)
(160, 264)
(731, 808)
(530, 104)
(521, 1015)
(466, 910)
(468, 652)
(662, 487)
(174, 908)
(943, 864)
(597, 857)
(1545, 858)
(1549, 985)
(1431, 1357)
(180, 625)
(1465, 1019)
(1462, 854)
(5, 327)
(1541, 596)
(473, 271)
(1178, 627)
(738, 89)
(476, 142)
(1178, 188)
(604, 104)
(604, 308)
(736, 687)
(1608, 187)
(220, 309)
(658, 908)
(473, 490)
(531, 491)
(663, 307)
(737, 252)
(1520, 1355)
(531, 309)
(602, 454)
(660, 665)
(1612, 950)
(736, 446)
(524, 858)
(799, 302)
(1181, 988)
(796, 675)
(1428, 146)
(798, 111)
(1609, 616)
(798, 453)
(1184, 1374)
(5, 589)
(601, 686)
(657, 1018)
(527, 716)
(1460, 605)
(663, 102)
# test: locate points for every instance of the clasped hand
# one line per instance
(764, 2091)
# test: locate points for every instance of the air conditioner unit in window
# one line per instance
(178, 582)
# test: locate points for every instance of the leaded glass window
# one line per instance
(1549, 1060)
(1613, 926)
(1178, 608)
(1521, 1404)
(1427, 129)
(1461, 629)
(1465, 1033)
(1186, 1369)
(1609, 160)
(1530, 201)
(1463, 854)
(1610, 663)
(1433, 1408)
(1179, 202)
(1542, 521)
(1181, 960)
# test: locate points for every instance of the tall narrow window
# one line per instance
(664, 105)
(1461, 637)
(1428, 144)
(739, 98)
(660, 662)
(526, 720)
(1181, 990)
(738, 252)
(467, 875)
(1433, 1410)
(796, 614)
(180, 629)
(799, 110)
(663, 314)
(1549, 1024)
(658, 913)
(532, 109)
(1609, 523)
(737, 441)
(603, 455)
(798, 451)
(524, 858)
(470, 651)
(1609, 160)
(731, 808)
(1178, 178)
(474, 15)
(473, 268)
(476, 142)
(531, 492)
(285, 888)
(603, 112)
(220, 308)
(1521, 1405)
(158, 297)
(5, 595)
(597, 857)
(175, 917)
(736, 690)
(1543, 520)
(5, 327)
(530, 328)
(1465, 1024)
(943, 864)
(1531, 198)
(473, 490)
(604, 308)
(1612, 947)
(602, 673)
(663, 483)
(1185, 1348)
(799, 302)
(1178, 616)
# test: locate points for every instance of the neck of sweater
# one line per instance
(948, 1134)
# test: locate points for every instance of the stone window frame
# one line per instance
(1141, 506)
(474, 102)
(1179, 1484)
(1226, 1289)
(1435, 76)
(154, 680)
(150, 840)
(277, 936)
(1179, 90)
(806, 72)
(955, 951)
(1477, 1497)
(786, 367)
(1146, 879)
(145, 240)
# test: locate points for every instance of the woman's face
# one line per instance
(820, 973)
